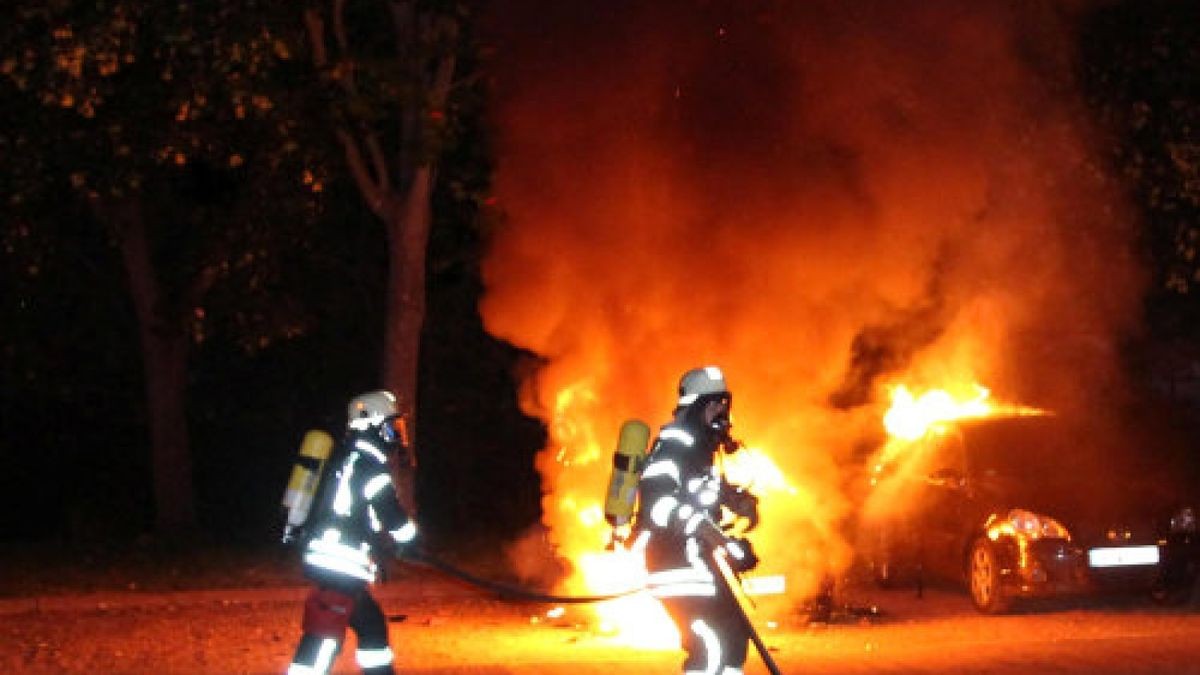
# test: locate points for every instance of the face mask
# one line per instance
(717, 412)
(394, 430)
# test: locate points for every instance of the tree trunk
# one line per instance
(408, 237)
(399, 195)
(164, 364)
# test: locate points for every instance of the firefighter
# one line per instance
(356, 508)
(681, 493)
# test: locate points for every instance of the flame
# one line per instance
(578, 463)
(911, 417)
(662, 219)
(637, 620)
(910, 420)
(753, 469)
(579, 459)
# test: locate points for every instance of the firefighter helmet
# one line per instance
(371, 408)
(377, 411)
(698, 383)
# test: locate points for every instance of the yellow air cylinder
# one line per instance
(628, 462)
(302, 484)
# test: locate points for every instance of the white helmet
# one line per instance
(700, 382)
(371, 409)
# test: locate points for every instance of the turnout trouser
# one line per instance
(712, 632)
(327, 613)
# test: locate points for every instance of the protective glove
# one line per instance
(404, 540)
(741, 556)
(710, 536)
(741, 502)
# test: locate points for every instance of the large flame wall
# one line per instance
(822, 198)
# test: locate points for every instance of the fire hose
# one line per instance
(722, 578)
(509, 591)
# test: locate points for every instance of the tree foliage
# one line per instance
(1142, 70)
(195, 108)
(179, 127)
(198, 148)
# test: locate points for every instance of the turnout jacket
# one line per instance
(679, 488)
(358, 505)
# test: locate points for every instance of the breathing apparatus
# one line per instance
(374, 412)
(628, 461)
(305, 477)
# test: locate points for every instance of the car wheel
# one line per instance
(983, 577)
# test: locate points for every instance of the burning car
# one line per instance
(1026, 506)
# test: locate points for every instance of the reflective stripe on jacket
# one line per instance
(679, 488)
(362, 505)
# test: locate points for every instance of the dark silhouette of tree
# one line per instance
(168, 122)
(389, 71)
(1142, 72)
(388, 68)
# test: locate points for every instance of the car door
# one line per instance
(944, 506)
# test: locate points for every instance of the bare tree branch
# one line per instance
(402, 22)
(375, 195)
(375, 150)
(201, 284)
(374, 188)
(426, 35)
(442, 80)
(339, 26)
(316, 38)
(346, 65)
(409, 115)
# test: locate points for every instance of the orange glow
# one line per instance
(575, 511)
(829, 219)
(754, 470)
(911, 417)
(578, 463)
(637, 620)
(911, 420)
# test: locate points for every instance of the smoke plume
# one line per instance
(824, 198)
